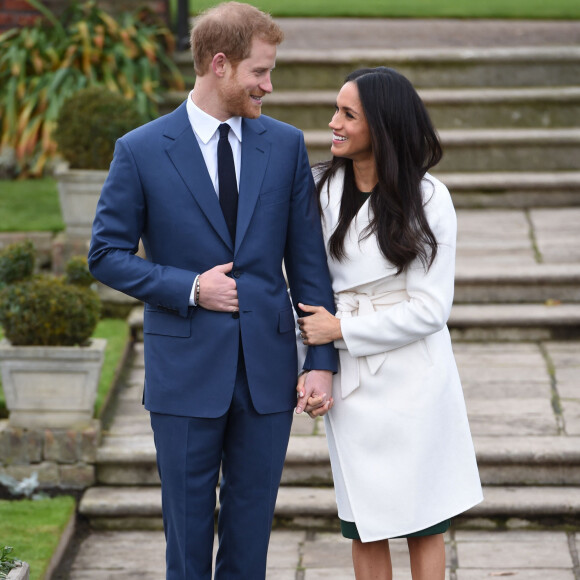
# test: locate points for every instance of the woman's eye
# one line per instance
(350, 116)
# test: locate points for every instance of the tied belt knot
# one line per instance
(349, 304)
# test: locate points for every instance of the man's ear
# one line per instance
(219, 64)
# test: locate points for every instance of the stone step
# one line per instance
(309, 507)
(520, 189)
(449, 108)
(491, 322)
(480, 150)
(521, 66)
(514, 322)
(130, 461)
(479, 283)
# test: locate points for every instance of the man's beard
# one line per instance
(238, 102)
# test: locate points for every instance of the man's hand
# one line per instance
(320, 327)
(314, 393)
(218, 291)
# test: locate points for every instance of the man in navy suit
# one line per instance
(220, 352)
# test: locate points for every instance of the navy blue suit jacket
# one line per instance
(158, 189)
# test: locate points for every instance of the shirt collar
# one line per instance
(205, 125)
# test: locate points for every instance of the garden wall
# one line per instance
(62, 459)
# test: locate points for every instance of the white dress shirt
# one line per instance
(205, 129)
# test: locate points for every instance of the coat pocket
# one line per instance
(166, 324)
(286, 321)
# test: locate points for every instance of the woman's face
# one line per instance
(351, 136)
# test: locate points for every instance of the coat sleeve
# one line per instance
(305, 259)
(117, 228)
(430, 293)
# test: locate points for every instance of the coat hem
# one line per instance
(394, 535)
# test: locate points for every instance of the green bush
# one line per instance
(16, 262)
(45, 310)
(44, 64)
(89, 123)
(77, 272)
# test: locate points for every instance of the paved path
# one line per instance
(471, 555)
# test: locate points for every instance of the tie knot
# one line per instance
(224, 130)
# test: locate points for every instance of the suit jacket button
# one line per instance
(236, 315)
(237, 274)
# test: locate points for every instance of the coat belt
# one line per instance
(349, 304)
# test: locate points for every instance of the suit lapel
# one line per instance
(185, 154)
(255, 156)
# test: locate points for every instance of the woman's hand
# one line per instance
(314, 396)
(320, 327)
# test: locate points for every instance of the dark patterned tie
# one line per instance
(227, 180)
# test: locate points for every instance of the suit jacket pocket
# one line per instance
(166, 324)
(286, 321)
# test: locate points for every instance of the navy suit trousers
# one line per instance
(250, 448)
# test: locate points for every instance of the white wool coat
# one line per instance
(400, 447)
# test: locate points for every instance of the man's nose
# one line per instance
(267, 86)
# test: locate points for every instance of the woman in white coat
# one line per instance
(401, 451)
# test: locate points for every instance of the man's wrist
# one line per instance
(195, 291)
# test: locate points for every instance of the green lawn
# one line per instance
(412, 8)
(30, 205)
(116, 332)
(33, 529)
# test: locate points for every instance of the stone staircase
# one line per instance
(509, 119)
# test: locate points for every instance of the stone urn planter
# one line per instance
(51, 386)
(88, 125)
(21, 572)
(50, 365)
(78, 193)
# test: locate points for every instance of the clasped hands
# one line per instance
(314, 388)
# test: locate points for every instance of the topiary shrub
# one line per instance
(45, 63)
(90, 122)
(16, 262)
(43, 310)
(77, 272)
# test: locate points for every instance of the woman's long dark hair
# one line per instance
(405, 146)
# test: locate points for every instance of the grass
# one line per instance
(116, 331)
(30, 205)
(34, 528)
(565, 9)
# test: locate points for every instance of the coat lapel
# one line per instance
(255, 156)
(186, 156)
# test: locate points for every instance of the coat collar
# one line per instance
(185, 154)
